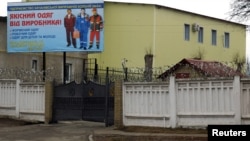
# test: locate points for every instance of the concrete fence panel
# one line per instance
(245, 101)
(187, 103)
(146, 104)
(8, 90)
(22, 100)
(32, 101)
(200, 103)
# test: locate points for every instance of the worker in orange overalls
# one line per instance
(96, 25)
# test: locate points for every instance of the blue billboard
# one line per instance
(56, 26)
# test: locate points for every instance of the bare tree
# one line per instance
(240, 10)
(148, 58)
(239, 62)
(248, 67)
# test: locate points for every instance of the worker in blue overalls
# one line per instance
(82, 25)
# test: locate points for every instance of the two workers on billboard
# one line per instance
(82, 23)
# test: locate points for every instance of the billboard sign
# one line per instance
(55, 26)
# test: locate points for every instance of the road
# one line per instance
(12, 130)
(64, 131)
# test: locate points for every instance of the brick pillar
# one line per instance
(118, 112)
(48, 101)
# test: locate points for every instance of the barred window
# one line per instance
(187, 32)
(226, 40)
(200, 35)
(214, 37)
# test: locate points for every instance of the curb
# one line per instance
(114, 135)
(148, 138)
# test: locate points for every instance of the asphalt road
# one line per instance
(14, 130)
(63, 131)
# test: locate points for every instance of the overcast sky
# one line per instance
(214, 8)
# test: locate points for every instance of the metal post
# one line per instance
(107, 99)
(85, 70)
(64, 68)
(96, 73)
(44, 66)
(126, 74)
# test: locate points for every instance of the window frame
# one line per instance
(68, 72)
(201, 35)
(226, 39)
(214, 37)
(34, 65)
(186, 32)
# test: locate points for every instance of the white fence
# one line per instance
(186, 103)
(22, 100)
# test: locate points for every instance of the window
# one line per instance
(182, 75)
(187, 32)
(200, 35)
(214, 37)
(226, 40)
(34, 65)
(68, 72)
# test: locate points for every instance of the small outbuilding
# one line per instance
(193, 68)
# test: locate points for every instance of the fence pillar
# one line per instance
(172, 96)
(48, 101)
(118, 105)
(17, 98)
(237, 99)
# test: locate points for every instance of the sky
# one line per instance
(213, 8)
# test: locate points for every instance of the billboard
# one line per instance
(55, 26)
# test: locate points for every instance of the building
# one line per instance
(132, 30)
(135, 29)
(30, 66)
(193, 68)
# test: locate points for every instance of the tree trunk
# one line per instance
(148, 67)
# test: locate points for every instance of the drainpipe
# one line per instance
(154, 33)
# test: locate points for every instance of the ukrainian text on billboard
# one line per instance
(59, 26)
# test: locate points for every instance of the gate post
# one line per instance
(118, 104)
(48, 102)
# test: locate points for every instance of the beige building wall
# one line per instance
(132, 30)
(128, 33)
(121, 36)
(171, 46)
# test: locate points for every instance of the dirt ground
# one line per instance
(8, 122)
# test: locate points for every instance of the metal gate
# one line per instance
(90, 102)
